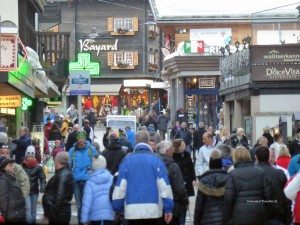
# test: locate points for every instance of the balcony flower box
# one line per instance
(122, 30)
(152, 34)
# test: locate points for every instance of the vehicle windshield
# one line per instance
(116, 125)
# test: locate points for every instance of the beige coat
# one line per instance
(22, 179)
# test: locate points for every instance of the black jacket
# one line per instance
(91, 117)
(22, 143)
(269, 137)
(188, 171)
(36, 175)
(236, 142)
(185, 135)
(113, 155)
(281, 209)
(71, 140)
(151, 120)
(198, 138)
(105, 141)
(55, 135)
(58, 195)
(178, 186)
(12, 202)
(209, 207)
(246, 189)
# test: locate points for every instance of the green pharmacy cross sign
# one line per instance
(26, 103)
(84, 63)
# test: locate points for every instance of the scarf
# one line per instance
(30, 163)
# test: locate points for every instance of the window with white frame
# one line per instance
(152, 58)
(123, 57)
(123, 23)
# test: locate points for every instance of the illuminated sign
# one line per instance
(10, 101)
(84, 63)
(207, 83)
(26, 103)
(8, 111)
(87, 45)
(8, 53)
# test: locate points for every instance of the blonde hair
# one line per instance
(284, 151)
(241, 154)
(223, 131)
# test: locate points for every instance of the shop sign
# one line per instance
(80, 82)
(8, 111)
(10, 101)
(207, 83)
(276, 72)
(275, 54)
(87, 45)
(8, 56)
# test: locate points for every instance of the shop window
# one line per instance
(122, 60)
(122, 26)
(153, 61)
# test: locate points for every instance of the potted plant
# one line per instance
(122, 30)
(152, 34)
(122, 64)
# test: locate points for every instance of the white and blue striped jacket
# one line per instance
(143, 189)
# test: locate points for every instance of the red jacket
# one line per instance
(292, 192)
(283, 161)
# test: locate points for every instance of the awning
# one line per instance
(102, 89)
(138, 83)
(105, 89)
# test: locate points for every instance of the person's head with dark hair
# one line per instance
(178, 145)
(277, 137)
(54, 127)
(262, 154)
(215, 161)
(86, 122)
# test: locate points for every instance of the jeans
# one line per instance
(78, 194)
(182, 217)
(102, 222)
(274, 222)
(31, 203)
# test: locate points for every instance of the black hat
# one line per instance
(4, 161)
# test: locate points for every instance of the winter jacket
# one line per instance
(80, 160)
(143, 181)
(236, 142)
(36, 175)
(270, 138)
(113, 155)
(124, 142)
(22, 179)
(105, 141)
(151, 120)
(203, 156)
(292, 192)
(71, 140)
(178, 186)
(12, 201)
(209, 206)
(186, 165)
(58, 195)
(294, 166)
(185, 135)
(162, 121)
(22, 143)
(91, 117)
(55, 135)
(246, 187)
(198, 138)
(96, 204)
(295, 147)
(56, 150)
(130, 136)
(283, 161)
(281, 209)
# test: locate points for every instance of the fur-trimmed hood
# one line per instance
(213, 182)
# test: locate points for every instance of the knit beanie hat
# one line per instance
(3, 138)
(81, 134)
(215, 161)
(30, 151)
(99, 163)
(113, 135)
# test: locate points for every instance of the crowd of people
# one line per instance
(142, 178)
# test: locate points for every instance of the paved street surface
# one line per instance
(99, 131)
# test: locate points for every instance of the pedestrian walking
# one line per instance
(105, 137)
(37, 180)
(278, 143)
(59, 191)
(71, 140)
(209, 206)
(65, 128)
(280, 207)
(284, 157)
(292, 192)
(80, 161)
(57, 148)
(96, 205)
(184, 134)
(198, 139)
(295, 144)
(143, 181)
(55, 133)
(162, 122)
(246, 192)
(113, 153)
(22, 143)
(202, 159)
(239, 139)
(12, 201)
(180, 197)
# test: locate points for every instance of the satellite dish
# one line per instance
(165, 51)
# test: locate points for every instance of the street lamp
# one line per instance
(237, 45)
(93, 34)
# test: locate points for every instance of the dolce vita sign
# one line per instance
(276, 72)
(87, 46)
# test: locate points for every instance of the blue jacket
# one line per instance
(22, 143)
(294, 165)
(143, 182)
(130, 137)
(80, 161)
(96, 204)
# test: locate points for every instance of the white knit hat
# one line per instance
(99, 162)
(30, 151)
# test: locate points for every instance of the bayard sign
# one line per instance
(87, 46)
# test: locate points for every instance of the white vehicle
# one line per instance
(117, 122)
